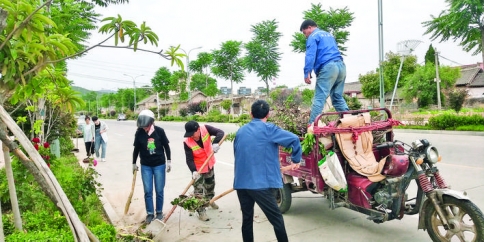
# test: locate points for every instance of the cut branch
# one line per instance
(131, 48)
(41, 171)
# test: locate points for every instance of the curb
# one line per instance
(450, 132)
(109, 211)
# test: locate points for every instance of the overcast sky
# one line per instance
(209, 23)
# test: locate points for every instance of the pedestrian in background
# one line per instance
(88, 133)
(324, 57)
(198, 147)
(151, 144)
(101, 137)
(257, 169)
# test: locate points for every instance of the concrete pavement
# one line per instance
(309, 218)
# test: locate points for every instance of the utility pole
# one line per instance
(188, 70)
(381, 53)
(134, 89)
(437, 78)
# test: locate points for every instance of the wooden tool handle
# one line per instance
(221, 195)
(193, 180)
(126, 208)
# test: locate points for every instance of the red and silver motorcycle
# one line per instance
(446, 214)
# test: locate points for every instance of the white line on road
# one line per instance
(225, 163)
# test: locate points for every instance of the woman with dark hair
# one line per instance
(88, 133)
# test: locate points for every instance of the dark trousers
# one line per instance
(266, 199)
(89, 148)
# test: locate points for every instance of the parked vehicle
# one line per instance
(446, 214)
(121, 116)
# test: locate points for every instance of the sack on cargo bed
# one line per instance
(332, 172)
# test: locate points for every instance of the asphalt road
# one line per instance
(309, 218)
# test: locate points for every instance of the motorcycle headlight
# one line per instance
(432, 154)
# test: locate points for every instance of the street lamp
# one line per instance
(188, 69)
(134, 87)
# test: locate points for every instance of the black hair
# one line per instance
(94, 118)
(260, 109)
(307, 23)
(87, 117)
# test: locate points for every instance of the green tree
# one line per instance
(334, 21)
(227, 62)
(162, 82)
(205, 84)
(422, 87)
(262, 51)
(370, 85)
(178, 80)
(461, 22)
(430, 55)
(202, 65)
(391, 65)
(226, 105)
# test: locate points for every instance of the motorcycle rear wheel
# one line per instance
(284, 198)
(465, 219)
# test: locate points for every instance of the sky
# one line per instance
(209, 23)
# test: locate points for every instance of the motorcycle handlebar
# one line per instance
(385, 145)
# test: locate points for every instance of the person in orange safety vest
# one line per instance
(198, 147)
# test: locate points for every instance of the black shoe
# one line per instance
(149, 218)
(159, 216)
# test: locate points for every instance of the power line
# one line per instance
(106, 79)
(450, 60)
(95, 66)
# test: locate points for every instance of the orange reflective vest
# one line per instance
(201, 154)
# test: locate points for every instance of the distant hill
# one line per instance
(83, 91)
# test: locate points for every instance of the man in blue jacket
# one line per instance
(257, 169)
(323, 56)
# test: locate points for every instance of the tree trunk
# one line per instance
(49, 184)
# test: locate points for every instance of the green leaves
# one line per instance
(176, 56)
(462, 23)
(227, 62)
(190, 203)
(334, 21)
(262, 51)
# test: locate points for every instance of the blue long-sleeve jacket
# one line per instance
(256, 148)
(321, 47)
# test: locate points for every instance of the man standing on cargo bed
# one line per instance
(323, 56)
(257, 169)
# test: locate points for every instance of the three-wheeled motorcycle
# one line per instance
(379, 170)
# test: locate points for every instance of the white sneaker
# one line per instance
(103, 160)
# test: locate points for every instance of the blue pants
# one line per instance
(150, 175)
(266, 199)
(99, 143)
(329, 82)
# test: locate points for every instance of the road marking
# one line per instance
(464, 166)
(225, 163)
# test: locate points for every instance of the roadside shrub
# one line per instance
(183, 112)
(42, 220)
(456, 99)
(452, 121)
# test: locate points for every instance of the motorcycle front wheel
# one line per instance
(466, 222)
